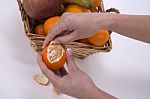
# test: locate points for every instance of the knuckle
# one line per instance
(65, 14)
(61, 40)
(60, 27)
(76, 34)
(67, 17)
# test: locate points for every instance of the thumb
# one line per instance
(70, 60)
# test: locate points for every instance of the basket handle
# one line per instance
(113, 10)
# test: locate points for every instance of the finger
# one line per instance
(67, 38)
(70, 60)
(51, 76)
(60, 35)
(58, 28)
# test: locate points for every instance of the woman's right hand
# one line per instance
(72, 27)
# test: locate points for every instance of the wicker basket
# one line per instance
(80, 50)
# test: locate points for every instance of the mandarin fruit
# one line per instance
(99, 38)
(49, 23)
(40, 30)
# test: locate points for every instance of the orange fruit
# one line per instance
(49, 23)
(39, 30)
(75, 9)
(96, 3)
(99, 38)
(54, 56)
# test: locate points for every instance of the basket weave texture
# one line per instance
(80, 50)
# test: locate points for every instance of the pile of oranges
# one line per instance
(98, 39)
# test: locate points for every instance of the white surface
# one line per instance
(124, 72)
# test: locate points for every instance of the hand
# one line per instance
(71, 27)
(76, 83)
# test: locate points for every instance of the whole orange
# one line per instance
(99, 38)
(49, 23)
(40, 30)
(54, 56)
(75, 9)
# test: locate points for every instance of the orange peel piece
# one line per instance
(41, 79)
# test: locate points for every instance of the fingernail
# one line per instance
(56, 42)
(69, 51)
(53, 42)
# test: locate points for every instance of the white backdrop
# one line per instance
(124, 72)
